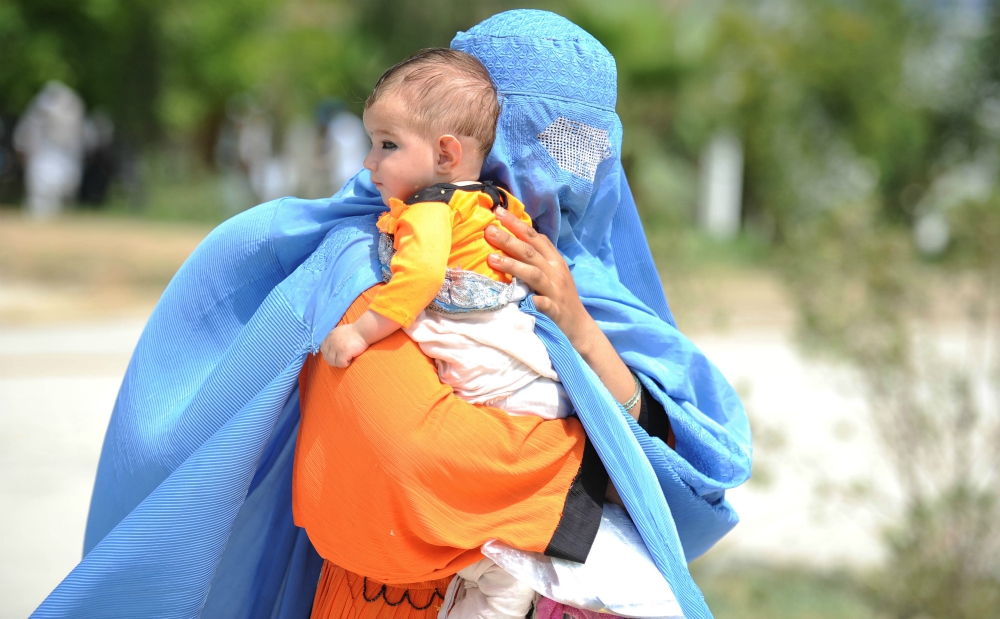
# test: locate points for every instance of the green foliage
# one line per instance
(106, 49)
(942, 559)
(976, 230)
(175, 190)
(862, 295)
(855, 284)
(813, 88)
(759, 592)
(172, 66)
(833, 100)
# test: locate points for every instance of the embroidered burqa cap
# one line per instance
(191, 511)
(558, 145)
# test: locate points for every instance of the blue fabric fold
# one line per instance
(191, 511)
(615, 436)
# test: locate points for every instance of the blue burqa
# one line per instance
(191, 512)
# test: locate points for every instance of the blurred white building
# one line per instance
(721, 191)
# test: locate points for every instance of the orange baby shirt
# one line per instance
(432, 236)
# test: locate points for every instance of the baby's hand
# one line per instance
(342, 345)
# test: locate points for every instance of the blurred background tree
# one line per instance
(867, 133)
(831, 99)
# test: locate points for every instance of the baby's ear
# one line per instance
(449, 153)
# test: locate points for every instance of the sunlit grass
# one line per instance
(196, 197)
(762, 592)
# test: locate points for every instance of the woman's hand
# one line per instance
(532, 258)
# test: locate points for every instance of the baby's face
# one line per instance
(401, 159)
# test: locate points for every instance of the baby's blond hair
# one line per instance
(446, 90)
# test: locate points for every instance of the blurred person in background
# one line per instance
(345, 143)
(50, 137)
(100, 161)
(235, 188)
(301, 151)
(8, 163)
(255, 145)
(252, 169)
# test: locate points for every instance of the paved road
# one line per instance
(58, 385)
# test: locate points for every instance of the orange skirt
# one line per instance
(346, 595)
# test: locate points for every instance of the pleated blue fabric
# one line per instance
(191, 511)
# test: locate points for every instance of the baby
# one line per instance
(432, 121)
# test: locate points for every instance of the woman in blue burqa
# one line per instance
(192, 508)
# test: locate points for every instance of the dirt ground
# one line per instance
(96, 267)
(87, 267)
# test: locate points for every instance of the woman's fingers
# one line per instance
(527, 234)
(527, 273)
(532, 258)
(511, 245)
(515, 225)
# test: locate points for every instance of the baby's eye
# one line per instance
(387, 145)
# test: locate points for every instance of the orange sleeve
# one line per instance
(398, 479)
(423, 243)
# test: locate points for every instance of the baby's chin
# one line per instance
(387, 196)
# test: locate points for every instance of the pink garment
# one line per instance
(548, 609)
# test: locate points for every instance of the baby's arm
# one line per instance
(348, 341)
(423, 243)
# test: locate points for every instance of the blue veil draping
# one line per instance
(191, 511)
